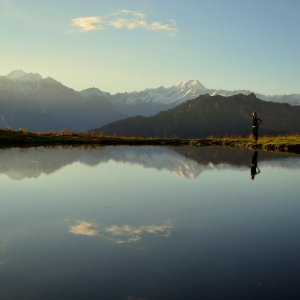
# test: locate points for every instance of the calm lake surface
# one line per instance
(137, 223)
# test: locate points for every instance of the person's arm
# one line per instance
(260, 120)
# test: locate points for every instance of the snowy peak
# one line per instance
(19, 75)
(173, 95)
(190, 85)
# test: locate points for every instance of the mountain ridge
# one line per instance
(41, 104)
(37, 103)
(211, 115)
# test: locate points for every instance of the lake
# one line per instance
(143, 223)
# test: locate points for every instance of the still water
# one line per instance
(149, 223)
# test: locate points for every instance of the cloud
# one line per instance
(134, 13)
(120, 234)
(87, 24)
(124, 19)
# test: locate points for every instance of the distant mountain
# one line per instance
(151, 101)
(211, 115)
(38, 104)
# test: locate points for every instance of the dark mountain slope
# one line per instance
(46, 104)
(211, 115)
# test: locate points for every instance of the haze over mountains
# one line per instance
(38, 104)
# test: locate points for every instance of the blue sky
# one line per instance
(122, 46)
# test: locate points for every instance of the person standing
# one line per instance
(255, 122)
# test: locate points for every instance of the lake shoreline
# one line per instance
(23, 138)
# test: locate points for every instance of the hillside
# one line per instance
(207, 115)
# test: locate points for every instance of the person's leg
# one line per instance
(255, 134)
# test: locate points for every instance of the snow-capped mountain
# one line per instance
(174, 95)
(151, 101)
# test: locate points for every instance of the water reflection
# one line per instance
(120, 234)
(254, 168)
(184, 161)
(110, 226)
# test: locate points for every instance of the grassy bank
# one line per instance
(281, 143)
(22, 138)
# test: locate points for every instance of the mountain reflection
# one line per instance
(120, 234)
(183, 161)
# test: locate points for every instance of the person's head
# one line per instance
(252, 176)
(254, 114)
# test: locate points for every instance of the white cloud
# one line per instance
(120, 234)
(87, 24)
(134, 13)
(124, 19)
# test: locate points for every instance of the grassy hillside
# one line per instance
(21, 138)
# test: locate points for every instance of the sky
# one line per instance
(130, 45)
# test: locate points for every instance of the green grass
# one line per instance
(23, 138)
(282, 143)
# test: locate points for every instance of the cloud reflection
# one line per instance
(120, 234)
(85, 228)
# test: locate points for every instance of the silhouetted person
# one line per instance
(254, 165)
(255, 122)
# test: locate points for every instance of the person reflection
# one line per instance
(254, 165)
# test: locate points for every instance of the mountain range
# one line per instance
(211, 115)
(151, 101)
(39, 104)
